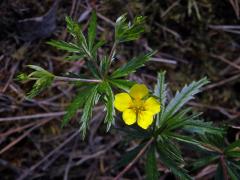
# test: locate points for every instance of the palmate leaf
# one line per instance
(182, 97)
(125, 31)
(87, 110)
(132, 65)
(151, 164)
(40, 85)
(43, 80)
(77, 103)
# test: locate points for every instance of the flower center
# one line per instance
(138, 105)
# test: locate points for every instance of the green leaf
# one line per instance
(233, 150)
(43, 80)
(182, 97)
(204, 161)
(40, 85)
(125, 31)
(77, 103)
(87, 110)
(109, 119)
(233, 146)
(132, 65)
(122, 84)
(92, 30)
(160, 91)
(96, 47)
(185, 139)
(233, 174)
(104, 64)
(75, 30)
(219, 173)
(167, 159)
(70, 47)
(151, 165)
(201, 127)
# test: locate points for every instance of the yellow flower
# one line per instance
(136, 107)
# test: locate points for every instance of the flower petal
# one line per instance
(122, 101)
(145, 119)
(138, 91)
(129, 116)
(152, 105)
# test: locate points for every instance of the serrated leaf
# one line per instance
(167, 160)
(127, 31)
(77, 103)
(161, 89)
(204, 161)
(151, 165)
(182, 97)
(92, 30)
(185, 139)
(122, 84)
(43, 80)
(201, 127)
(70, 47)
(109, 119)
(39, 86)
(87, 110)
(104, 64)
(132, 65)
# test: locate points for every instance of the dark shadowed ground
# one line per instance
(192, 42)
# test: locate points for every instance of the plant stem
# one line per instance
(60, 78)
(134, 160)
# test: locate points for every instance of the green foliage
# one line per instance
(91, 100)
(109, 100)
(151, 165)
(182, 97)
(78, 102)
(125, 31)
(132, 65)
(43, 80)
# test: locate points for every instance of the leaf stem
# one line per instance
(60, 78)
(134, 160)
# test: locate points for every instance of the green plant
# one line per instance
(160, 138)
